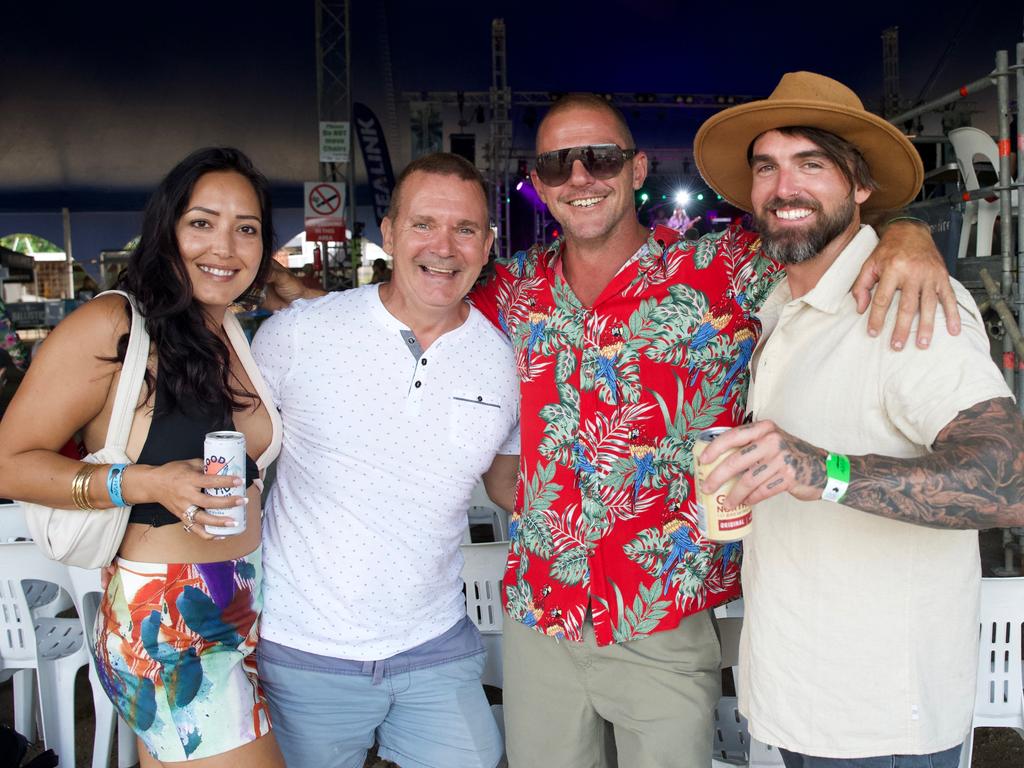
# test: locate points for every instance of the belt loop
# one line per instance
(378, 672)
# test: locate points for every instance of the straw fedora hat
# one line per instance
(804, 98)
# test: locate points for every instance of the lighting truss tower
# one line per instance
(891, 70)
(501, 137)
(334, 93)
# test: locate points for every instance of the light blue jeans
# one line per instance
(949, 758)
(432, 717)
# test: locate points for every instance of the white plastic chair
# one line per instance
(45, 600)
(483, 511)
(999, 697)
(969, 144)
(53, 647)
(732, 743)
(482, 572)
(12, 523)
(87, 593)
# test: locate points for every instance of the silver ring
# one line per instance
(189, 527)
(190, 514)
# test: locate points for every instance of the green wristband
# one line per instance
(837, 467)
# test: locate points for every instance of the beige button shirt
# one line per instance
(860, 635)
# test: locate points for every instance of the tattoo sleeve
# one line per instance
(974, 478)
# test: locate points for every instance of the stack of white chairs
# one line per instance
(999, 696)
(53, 648)
(482, 572)
(87, 593)
(39, 647)
(732, 743)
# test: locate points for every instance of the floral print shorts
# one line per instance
(174, 652)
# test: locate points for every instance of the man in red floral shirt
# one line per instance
(628, 344)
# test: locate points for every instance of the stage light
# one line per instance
(519, 186)
(700, 195)
(682, 197)
(644, 197)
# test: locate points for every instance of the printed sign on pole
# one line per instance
(334, 141)
(325, 211)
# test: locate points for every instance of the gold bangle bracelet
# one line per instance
(76, 485)
(80, 487)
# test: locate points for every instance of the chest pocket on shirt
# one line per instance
(477, 420)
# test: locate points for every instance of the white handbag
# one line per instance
(91, 539)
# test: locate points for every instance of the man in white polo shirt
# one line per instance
(860, 634)
(395, 399)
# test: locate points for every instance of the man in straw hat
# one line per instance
(861, 580)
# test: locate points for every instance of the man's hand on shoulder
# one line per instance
(283, 288)
(906, 260)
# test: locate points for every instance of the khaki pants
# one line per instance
(657, 694)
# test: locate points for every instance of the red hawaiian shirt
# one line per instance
(612, 397)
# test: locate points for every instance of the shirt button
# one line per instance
(479, 399)
(412, 340)
(419, 384)
(423, 361)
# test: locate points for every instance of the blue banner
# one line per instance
(375, 156)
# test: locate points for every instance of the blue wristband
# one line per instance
(114, 477)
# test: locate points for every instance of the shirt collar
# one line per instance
(834, 286)
(557, 249)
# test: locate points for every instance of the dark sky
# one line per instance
(106, 96)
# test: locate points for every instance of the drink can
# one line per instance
(716, 521)
(224, 454)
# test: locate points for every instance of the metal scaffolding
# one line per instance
(334, 103)
(1005, 297)
(501, 138)
(891, 70)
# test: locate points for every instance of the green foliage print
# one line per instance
(539, 493)
(519, 599)
(649, 550)
(643, 616)
(706, 248)
(762, 275)
(561, 423)
(674, 322)
(571, 566)
(691, 416)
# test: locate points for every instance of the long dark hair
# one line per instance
(193, 362)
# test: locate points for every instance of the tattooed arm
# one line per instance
(974, 477)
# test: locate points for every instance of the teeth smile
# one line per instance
(217, 272)
(587, 202)
(438, 271)
(794, 214)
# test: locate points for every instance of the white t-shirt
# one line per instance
(860, 633)
(383, 444)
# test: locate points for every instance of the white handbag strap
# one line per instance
(240, 344)
(133, 370)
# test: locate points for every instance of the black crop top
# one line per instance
(174, 436)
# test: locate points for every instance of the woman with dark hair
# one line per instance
(178, 621)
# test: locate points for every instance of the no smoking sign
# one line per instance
(325, 211)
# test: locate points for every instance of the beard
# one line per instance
(790, 245)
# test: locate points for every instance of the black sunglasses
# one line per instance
(602, 161)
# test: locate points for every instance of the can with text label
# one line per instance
(716, 521)
(224, 454)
